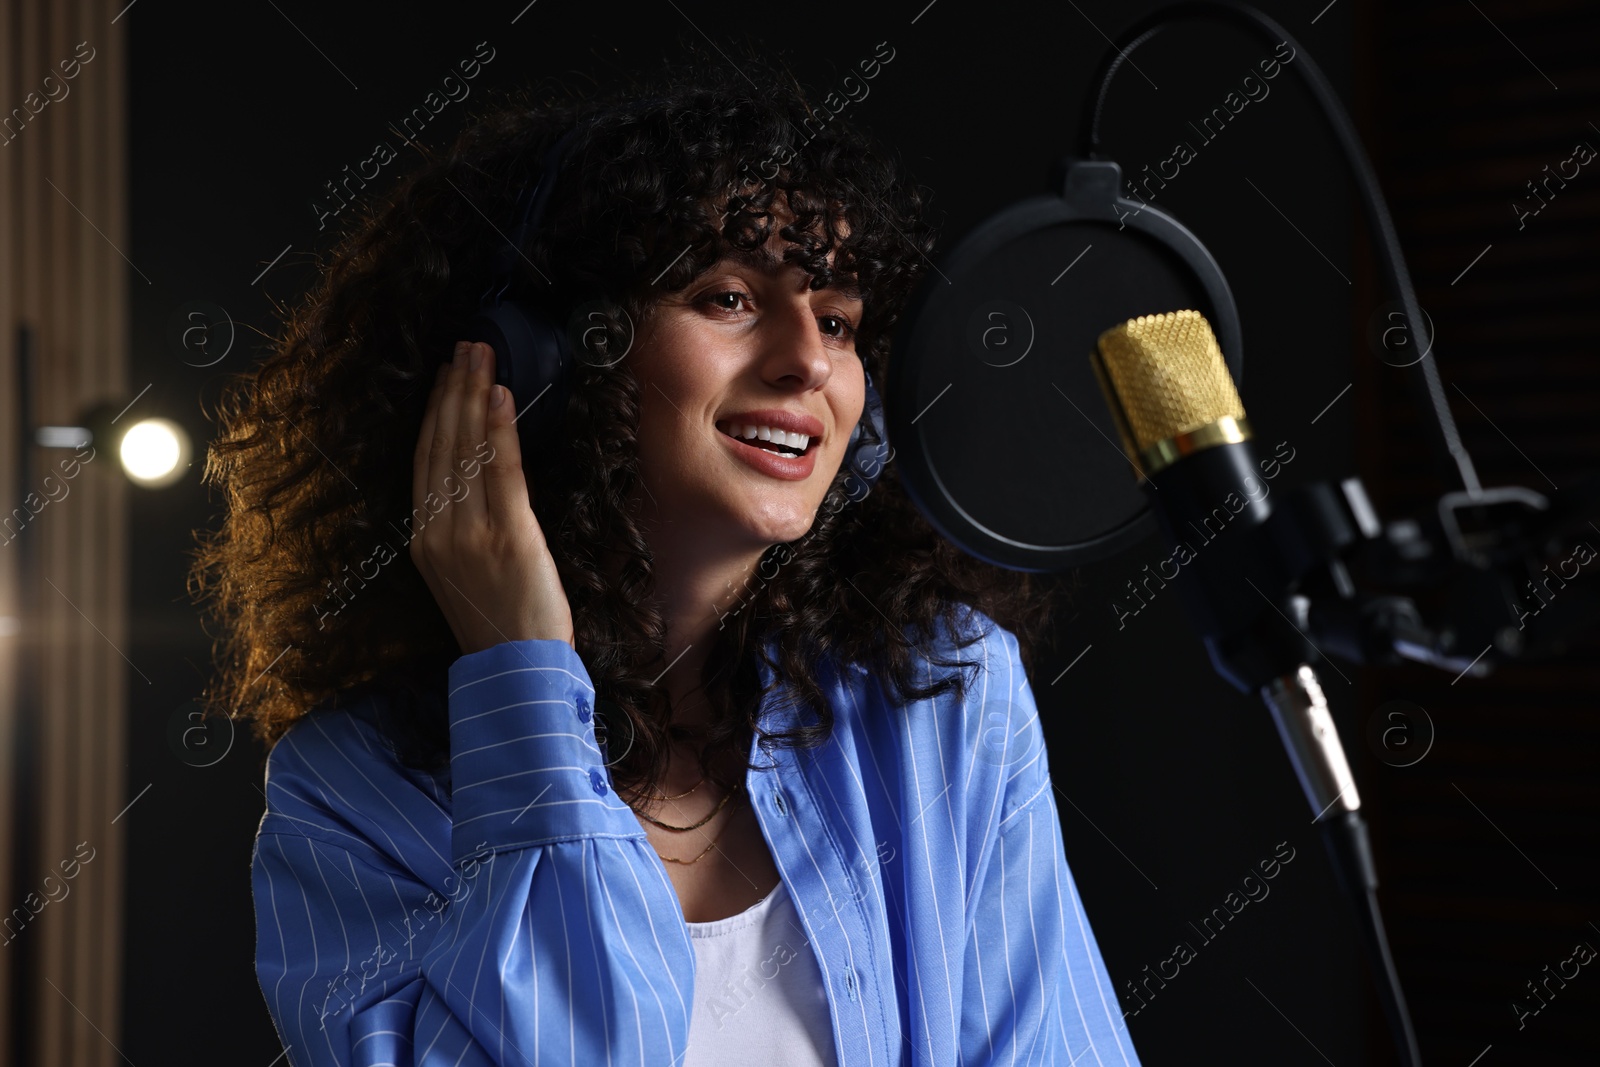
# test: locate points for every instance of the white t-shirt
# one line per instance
(758, 994)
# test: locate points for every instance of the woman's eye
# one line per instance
(734, 293)
(835, 326)
(843, 329)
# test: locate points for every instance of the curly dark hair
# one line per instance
(315, 447)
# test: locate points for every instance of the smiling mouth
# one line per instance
(769, 446)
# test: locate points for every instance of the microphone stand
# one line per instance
(1480, 547)
(1300, 710)
(1293, 553)
(1482, 544)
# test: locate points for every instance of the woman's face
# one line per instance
(743, 345)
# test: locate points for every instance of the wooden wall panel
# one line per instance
(63, 219)
(10, 605)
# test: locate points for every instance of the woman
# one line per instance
(657, 750)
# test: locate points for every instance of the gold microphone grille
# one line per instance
(1169, 376)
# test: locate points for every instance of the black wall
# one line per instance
(1491, 844)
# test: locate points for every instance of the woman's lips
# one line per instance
(788, 468)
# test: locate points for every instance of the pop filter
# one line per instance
(1001, 432)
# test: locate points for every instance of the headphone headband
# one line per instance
(529, 213)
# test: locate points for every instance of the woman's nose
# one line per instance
(797, 348)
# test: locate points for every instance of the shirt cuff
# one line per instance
(525, 768)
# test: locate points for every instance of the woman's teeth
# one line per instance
(779, 441)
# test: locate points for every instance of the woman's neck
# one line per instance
(694, 591)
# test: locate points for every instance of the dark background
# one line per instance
(1172, 786)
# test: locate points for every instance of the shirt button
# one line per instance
(582, 702)
(597, 781)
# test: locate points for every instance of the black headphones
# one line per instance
(534, 356)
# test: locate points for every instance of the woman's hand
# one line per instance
(483, 554)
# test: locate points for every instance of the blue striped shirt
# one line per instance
(524, 917)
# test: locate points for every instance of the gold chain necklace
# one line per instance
(677, 796)
(667, 826)
(708, 848)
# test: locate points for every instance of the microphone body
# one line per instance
(1184, 429)
(1212, 508)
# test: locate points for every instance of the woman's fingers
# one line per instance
(504, 483)
(442, 453)
(465, 491)
(422, 460)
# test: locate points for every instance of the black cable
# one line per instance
(1449, 452)
(1345, 837)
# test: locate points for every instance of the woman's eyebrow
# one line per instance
(764, 259)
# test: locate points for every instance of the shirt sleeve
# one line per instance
(1038, 989)
(551, 934)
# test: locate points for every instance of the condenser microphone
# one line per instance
(1184, 430)
(1185, 433)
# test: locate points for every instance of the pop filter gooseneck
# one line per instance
(1454, 464)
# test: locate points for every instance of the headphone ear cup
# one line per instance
(533, 361)
(868, 449)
